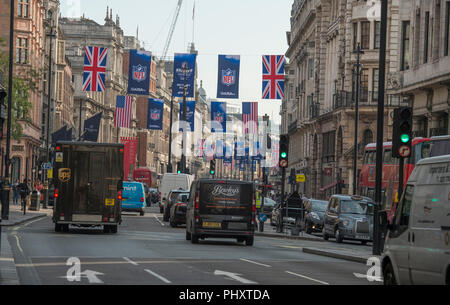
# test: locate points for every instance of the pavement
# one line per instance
(8, 272)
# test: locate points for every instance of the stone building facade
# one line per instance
(318, 112)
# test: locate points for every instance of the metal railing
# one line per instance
(346, 99)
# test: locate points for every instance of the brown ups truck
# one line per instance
(88, 180)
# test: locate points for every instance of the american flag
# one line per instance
(250, 118)
(94, 69)
(201, 147)
(273, 77)
(123, 111)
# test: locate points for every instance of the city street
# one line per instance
(148, 251)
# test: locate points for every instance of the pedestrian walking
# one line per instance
(16, 192)
(24, 190)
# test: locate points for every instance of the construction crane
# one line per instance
(172, 29)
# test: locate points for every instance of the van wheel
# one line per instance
(388, 275)
(57, 227)
(194, 238)
(188, 235)
(65, 228)
(338, 236)
(113, 229)
(142, 213)
(106, 229)
(249, 241)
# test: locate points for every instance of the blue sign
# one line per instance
(190, 115)
(139, 72)
(218, 117)
(262, 217)
(184, 73)
(92, 128)
(155, 114)
(228, 79)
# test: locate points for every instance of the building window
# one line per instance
(405, 46)
(59, 86)
(375, 83)
(23, 8)
(355, 36)
(365, 35)
(437, 30)
(22, 50)
(311, 68)
(425, 39)
(377, 35)
(447, 29)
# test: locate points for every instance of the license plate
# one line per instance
(212, 225)
(362, 237)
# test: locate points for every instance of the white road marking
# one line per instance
(256, 263)
(308, 278)
(367, 277)
(18, 243)
(159, 221)
(234, 276)
(158, 276)
(130, 261)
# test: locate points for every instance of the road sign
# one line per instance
(301, 178)
(47, 166)
(262, 217)
(59, 157)
(283, 163)
(404, 151)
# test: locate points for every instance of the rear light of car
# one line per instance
(105, 219)
(56, 193)
(61, 216)
(197, 202)
(197, 219)
(142, 199)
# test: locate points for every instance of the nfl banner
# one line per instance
(228, 79)
(190, 115)
(92, 128)
(155, 114)
(183, 68)
(139, 72)
(218, 117)
(219, 149)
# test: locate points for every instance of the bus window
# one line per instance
(426, 150)
(371, 157)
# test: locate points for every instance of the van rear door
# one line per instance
(226, 206)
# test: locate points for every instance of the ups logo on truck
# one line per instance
(64, 174)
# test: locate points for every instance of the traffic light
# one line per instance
(179, 167)
(284, 150)
(402, 132)
(212, 167)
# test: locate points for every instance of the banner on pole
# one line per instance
(228, 79)
(155, 114)
(139, 72)
(184, 72)
(218, 117)
(190, 115)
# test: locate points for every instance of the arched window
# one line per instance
(367, 138)
(15, 170)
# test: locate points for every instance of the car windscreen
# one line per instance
(183, 197)
(269, 202)
(356, 207)
(319, 206)
(226, 199)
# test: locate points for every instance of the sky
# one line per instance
(249, 28)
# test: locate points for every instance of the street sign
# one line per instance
(262, 217)
(47, 166)
(404, 151)
(283, 163)
(301, 178)
(59, 157)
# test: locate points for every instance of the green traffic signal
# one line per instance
(213, 172)
(283, 155)
(404, 138)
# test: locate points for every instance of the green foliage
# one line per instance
(24, 83)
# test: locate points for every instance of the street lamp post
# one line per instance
(51, 35)
(358, 52)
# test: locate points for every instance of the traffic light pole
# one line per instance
(401, 169)
(280, 214)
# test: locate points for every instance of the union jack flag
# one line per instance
(273, 77)
(94, 69)
(201, 148)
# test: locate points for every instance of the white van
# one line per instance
(417, 247)
(170, 182)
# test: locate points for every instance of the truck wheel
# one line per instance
(65, 228)
(113, 229)
(57, 227)
(249, 241)
(106, 229)
(188, 235)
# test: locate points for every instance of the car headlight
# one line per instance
(346, 222)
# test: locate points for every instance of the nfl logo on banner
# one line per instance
(156, 114)
(139, 73)
(228, 77)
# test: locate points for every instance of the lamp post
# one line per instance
(51, 35)
(358, 52)
(169, 166)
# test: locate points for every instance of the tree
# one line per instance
(25, 82)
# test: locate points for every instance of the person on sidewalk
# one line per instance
(16, 192)
(25, 190)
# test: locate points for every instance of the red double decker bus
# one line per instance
(145, 175)
(420, 150)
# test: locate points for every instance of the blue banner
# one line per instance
(183, 72)
(219, 149)
(139, 72)
(155, 114)
(228, 79)
(92, 128)
(218, 117)
(190, 115)
(62, 134)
